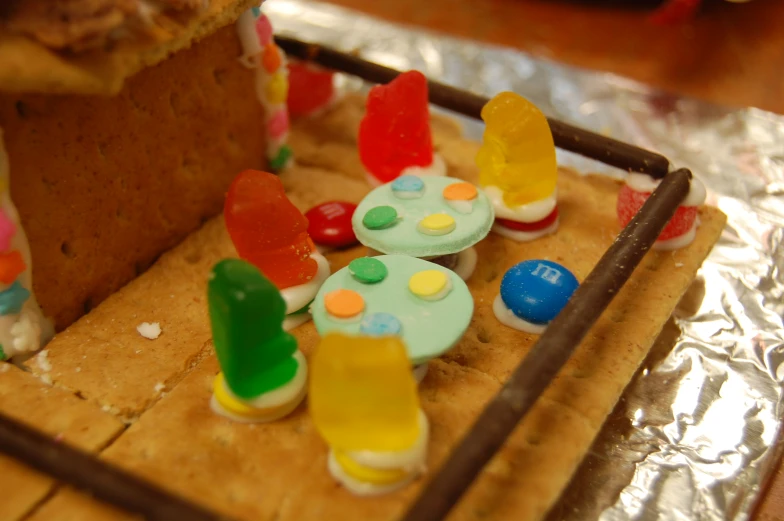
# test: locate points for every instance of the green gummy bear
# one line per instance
(247, 312)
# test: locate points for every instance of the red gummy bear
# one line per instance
(310, 88)
(395, 132)
(630, 201)
(267, 229)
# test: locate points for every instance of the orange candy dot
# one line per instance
(460, 192)
(270, 58)
(344, 303)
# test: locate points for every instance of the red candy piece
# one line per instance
(395, 132)
(675, 11)
(267, 230)
(330, 224)
(630, 201)
(310, 88)
(530, 227)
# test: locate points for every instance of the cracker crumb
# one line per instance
(138, 351)
(160, 387)
(43, 361)
(678, 264)
(149, 330)
(4, 367)
(78, 369)
(45, 378)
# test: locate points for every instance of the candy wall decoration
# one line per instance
(272, 81)
(23, 328)
(269, 232)
(263, 375)
(682, 227)
(517, 167)
(394, 136)
(311, 89)
(365, 405)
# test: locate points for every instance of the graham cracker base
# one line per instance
(278, 471)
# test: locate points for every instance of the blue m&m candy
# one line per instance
(408, 187)
(380, 324)
(537, 290)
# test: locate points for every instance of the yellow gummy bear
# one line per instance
(362, 393)
(517, 153)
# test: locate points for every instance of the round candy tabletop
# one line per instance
(423, 216)
(428, 305)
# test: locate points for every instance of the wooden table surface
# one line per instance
(733, 54)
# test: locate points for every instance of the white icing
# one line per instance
(407, 195)
(508, 318)
(251, 47)
(290, 395)
(678, 242)
(525, 213)
(436, 168)
(28, 330)
(645, 183)
(292, 321)
(466, 263)
(150, 331)
(464, 207)
(297, 297)
(522, 236)
(420, 372)
(412, 461)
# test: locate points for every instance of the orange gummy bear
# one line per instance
(267, 229)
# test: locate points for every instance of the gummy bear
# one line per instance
(246, 313)
(310, 88)
(267, 229)
(630, 201)
(517, 154)
(395, 132)
(362, 393)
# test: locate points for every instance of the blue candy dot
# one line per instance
(408, 183)
(537, 290)
(380, 324)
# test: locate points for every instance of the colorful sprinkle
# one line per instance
(460, 192)
(368, 270)
(344, 303)
(264, 29)
(12, 299)
(380, 324)
(270, 58)
(279, 161)
(380, 217)
(437, 224)
(408, 187)
(429, 284)
(278, 124)
(7, 230)
(276, 89)
(11, 266)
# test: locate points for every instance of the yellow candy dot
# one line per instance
(429, 284)
(277, 88)
(437, 224)
(518, 153)
(344, 303)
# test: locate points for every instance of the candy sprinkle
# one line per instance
(380, 217)
(344, 303)
(437, 224)
(368, 270)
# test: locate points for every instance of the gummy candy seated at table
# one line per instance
(517, 154)
(268, 230)
(246, 312)
(363, 395)
(395, 132)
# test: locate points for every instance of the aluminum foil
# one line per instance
(694, 436)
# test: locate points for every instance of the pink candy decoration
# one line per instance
(630, 201)
(264, 30)
(278, 124)
(7, 231)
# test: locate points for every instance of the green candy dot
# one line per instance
(379, 217)
(368, 270)
(280, 160)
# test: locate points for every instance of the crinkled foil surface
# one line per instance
(695, 436)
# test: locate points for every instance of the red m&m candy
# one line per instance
(329, 224)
